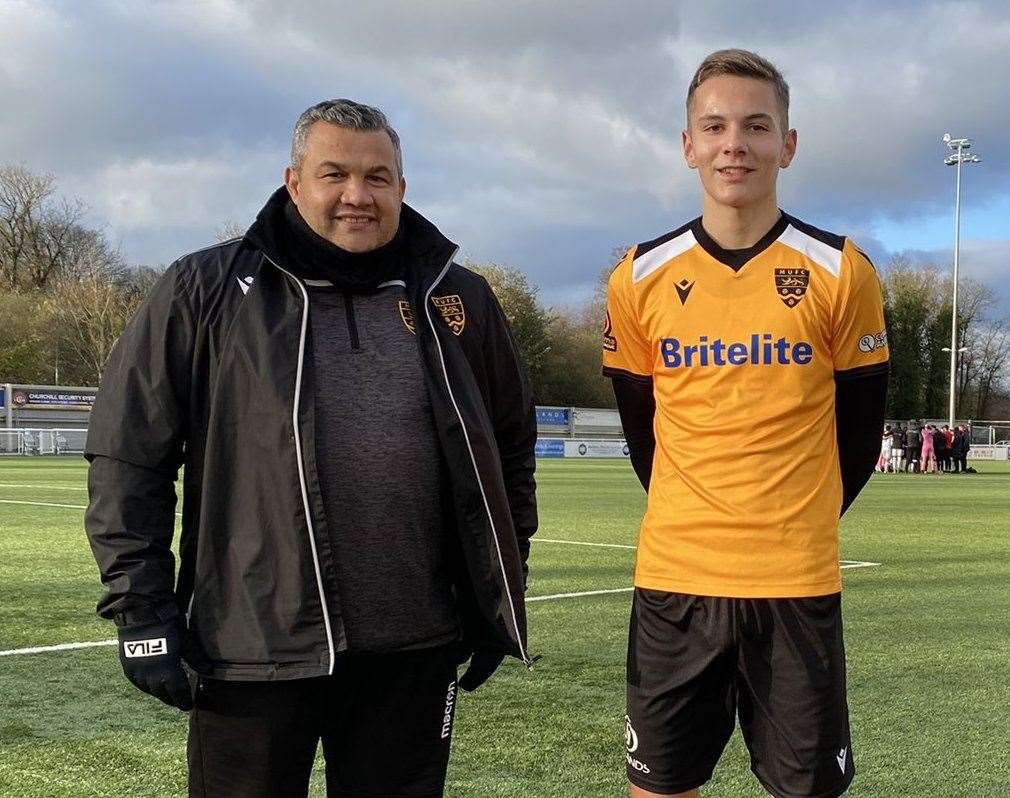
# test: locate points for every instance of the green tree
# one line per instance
(26, 350)
(530, 322)
(908, 308)
(572, 375)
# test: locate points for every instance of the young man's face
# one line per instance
(348, 187)
(735, 140)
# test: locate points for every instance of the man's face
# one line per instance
(348, 187)
(735, 140)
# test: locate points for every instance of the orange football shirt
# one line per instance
(743, 348)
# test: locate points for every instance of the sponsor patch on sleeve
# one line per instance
(872, 342)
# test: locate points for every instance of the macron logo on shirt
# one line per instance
(761, 350)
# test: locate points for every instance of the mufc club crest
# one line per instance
(791, 285)
(451, 308)
(407, 315)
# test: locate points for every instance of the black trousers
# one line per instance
(385, 722)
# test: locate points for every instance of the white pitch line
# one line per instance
(577, 595)
(60, 647)
(530, 600)
(848, 564)
(47, 504)
(583, 543)
(843, 563)
(43, 487)
(72, 645)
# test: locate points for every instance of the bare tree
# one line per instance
(88, 254)
(36, 229)
(228, 231)
(89, 314)
(993, 347)
(975, 301)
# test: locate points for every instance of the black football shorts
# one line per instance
(385, 722)
(695, 663)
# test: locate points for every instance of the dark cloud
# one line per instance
(987, 262)
(538, 134)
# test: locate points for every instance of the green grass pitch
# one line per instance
(927, 636)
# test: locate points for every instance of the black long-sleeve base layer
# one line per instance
(859, 417)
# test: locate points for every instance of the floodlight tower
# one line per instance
(959, 155)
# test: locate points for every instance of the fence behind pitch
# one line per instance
(42, 441)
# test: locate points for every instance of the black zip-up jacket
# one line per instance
(209, 374)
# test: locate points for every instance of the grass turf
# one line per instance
(927, 637)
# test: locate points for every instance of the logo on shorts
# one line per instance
(630, 737)
(450, 701)
(609, 341)
(841, 758)
(868, 343)
(631, 743)
(451, 308)
(791, 285)
(154, 647)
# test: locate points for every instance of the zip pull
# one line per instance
(352, 323)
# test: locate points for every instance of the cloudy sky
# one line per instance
(539, 135)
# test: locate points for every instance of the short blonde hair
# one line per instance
(744, 64)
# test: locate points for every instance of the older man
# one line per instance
(357, 433)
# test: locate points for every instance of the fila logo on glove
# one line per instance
(155, 647)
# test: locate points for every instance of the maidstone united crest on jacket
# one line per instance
(743, 348)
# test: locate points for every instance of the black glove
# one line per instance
(150, 655)
(482, 664)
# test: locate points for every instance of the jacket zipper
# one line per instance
(494, 532)
(301, 464)
(352, 324)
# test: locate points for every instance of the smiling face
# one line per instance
(348, 187)
(736, 140)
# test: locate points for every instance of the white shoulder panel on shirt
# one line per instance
(820, 253)
(655, 258)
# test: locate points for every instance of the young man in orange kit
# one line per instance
(739, 345)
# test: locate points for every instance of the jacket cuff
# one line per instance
(145, 615)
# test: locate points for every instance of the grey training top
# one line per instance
(380, 470)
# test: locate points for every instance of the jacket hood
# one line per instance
(426, 248)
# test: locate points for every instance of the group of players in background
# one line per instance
(924, 449)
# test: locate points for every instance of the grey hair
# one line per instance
(342, 113)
